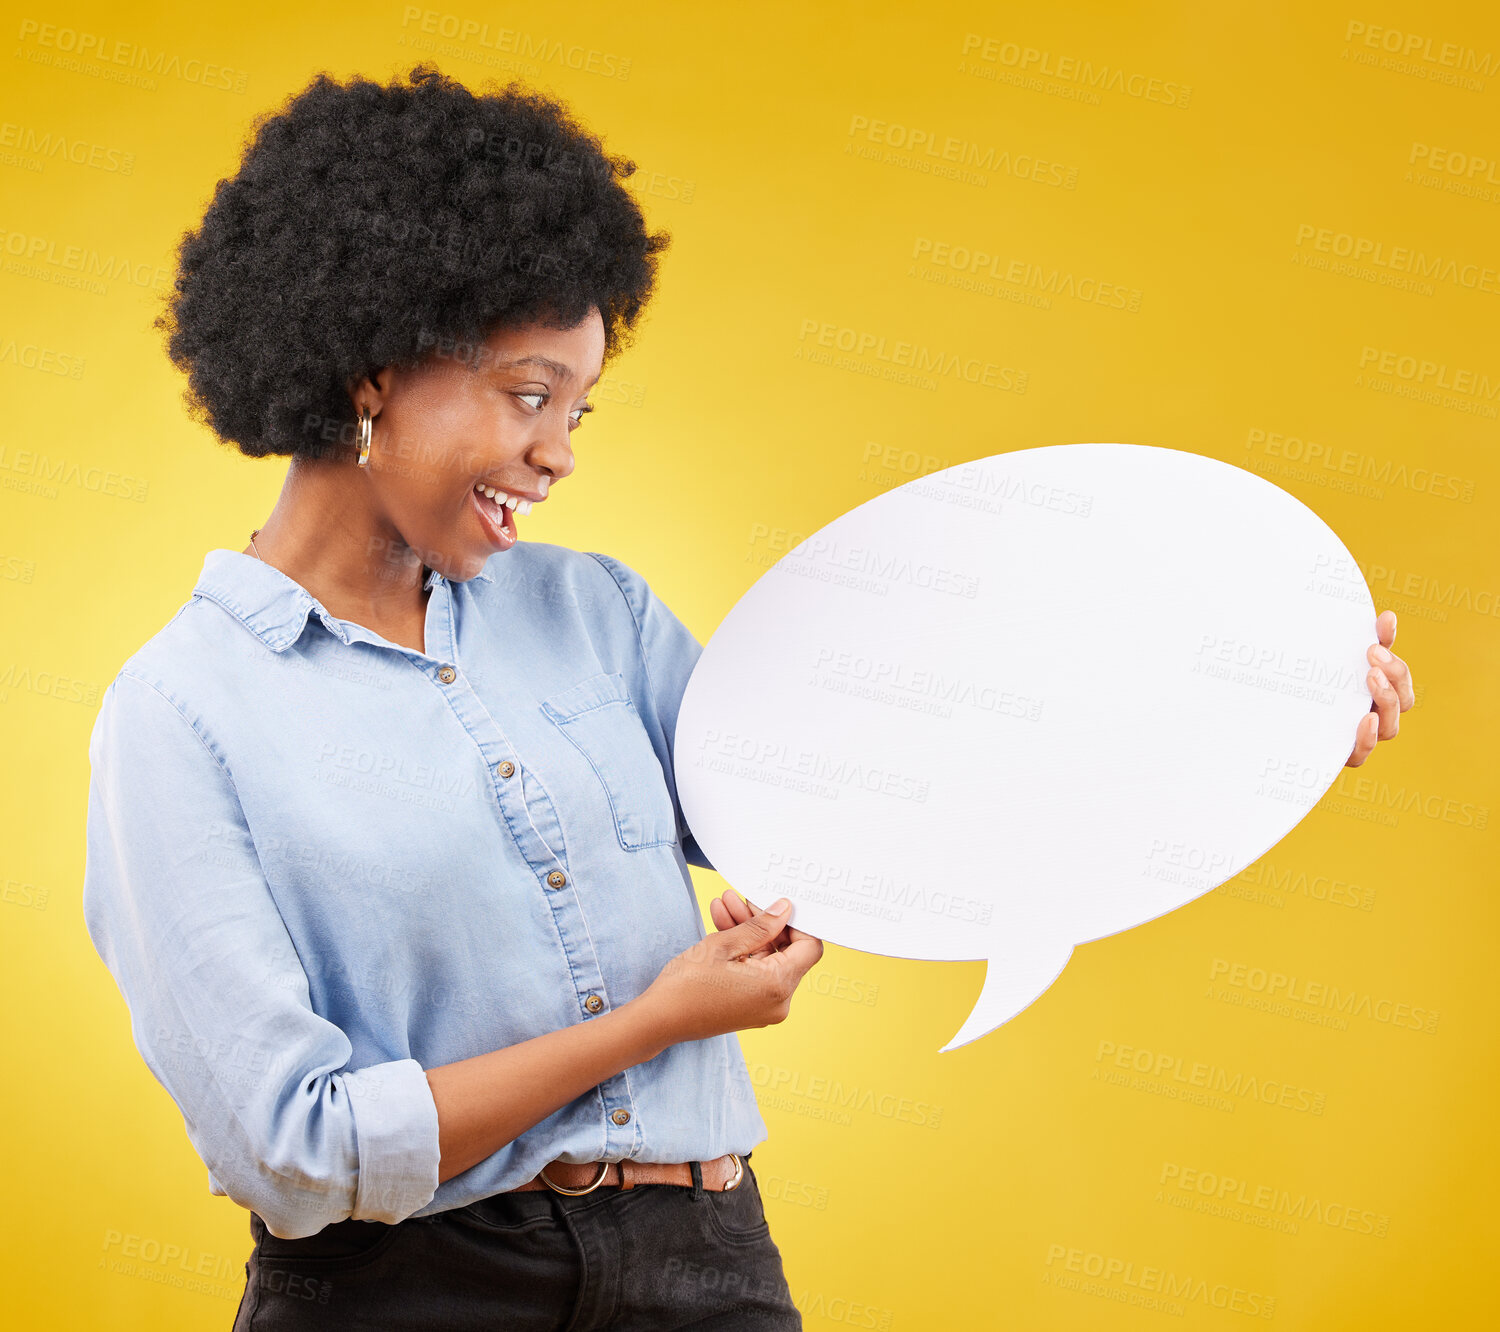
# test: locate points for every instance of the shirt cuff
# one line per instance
(396, 1128)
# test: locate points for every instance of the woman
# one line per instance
(385, 850)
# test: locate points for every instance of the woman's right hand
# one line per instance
(734, 979)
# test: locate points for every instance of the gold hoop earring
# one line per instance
(366, 433)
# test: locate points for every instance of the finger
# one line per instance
(800, 955)
(755, 934)
(720, 916)
(1396, 672)
(1364, 739)
(749, 910)
(1386, 704)
(792, 932)
(741, 908)
(1385, 629)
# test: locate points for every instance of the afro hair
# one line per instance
(370, 224)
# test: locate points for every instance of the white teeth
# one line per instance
(521, 506)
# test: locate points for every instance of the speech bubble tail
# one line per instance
(1011, 985)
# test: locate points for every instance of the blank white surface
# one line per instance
(1024, 703)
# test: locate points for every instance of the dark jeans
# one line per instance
(653, 1257)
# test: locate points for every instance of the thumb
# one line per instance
(759, 930)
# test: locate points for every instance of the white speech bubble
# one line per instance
(1024, 703)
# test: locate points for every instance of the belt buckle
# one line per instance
(558, 1188)
(739, 1173)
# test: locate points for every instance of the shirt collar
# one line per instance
(266, 601)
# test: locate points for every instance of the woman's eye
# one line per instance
(575, 417)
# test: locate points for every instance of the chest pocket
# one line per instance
(598, 716)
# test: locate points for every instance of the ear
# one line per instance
(367, 391)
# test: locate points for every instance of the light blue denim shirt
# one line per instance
(320, 862)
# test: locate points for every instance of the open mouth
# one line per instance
(498, 521)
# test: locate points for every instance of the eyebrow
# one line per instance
(545, 362)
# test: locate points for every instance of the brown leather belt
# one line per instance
(719, 1175)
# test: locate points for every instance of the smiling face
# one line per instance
(495, 415)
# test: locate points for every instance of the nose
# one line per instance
(553, 455)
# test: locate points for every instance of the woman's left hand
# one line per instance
(1390, 692)
(730, 909)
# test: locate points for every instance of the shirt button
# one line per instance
(505, 769)
(556, 879)
(447, 675)
(593, 1003)
(621, 1116)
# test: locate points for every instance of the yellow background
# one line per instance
(1026, 1180)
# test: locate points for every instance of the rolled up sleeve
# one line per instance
(179, 909)
(669, 652)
